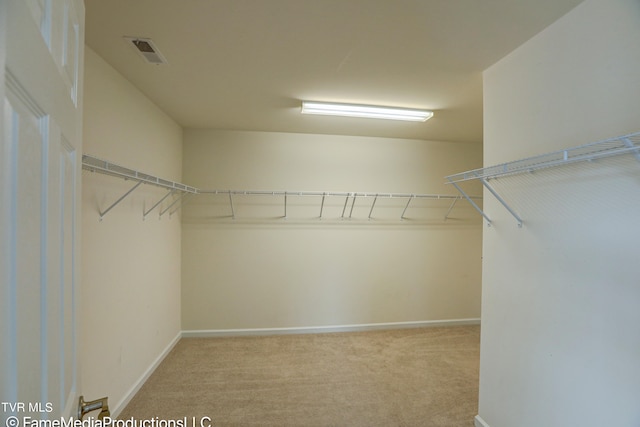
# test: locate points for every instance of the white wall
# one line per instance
(560, 318)
(130, 267)
(261, 271)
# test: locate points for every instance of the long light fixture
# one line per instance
(367, 111)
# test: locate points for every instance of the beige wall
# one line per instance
(130, 267)
(262, 271)
(560, 319)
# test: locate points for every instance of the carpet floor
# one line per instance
(403, 377)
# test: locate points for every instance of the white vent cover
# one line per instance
(147, 49)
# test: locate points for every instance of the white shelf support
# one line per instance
(353, 203)
(114, 204)
(629, 143)
(373, 205)
(233, 212)
(446, 216)
(407, 205)
(285, 205)
(185, 196)
(344, 208)
(144, 214)
(501, 200)
(178, 199)
(324, 195)
(470, 200)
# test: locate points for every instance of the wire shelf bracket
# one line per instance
(144, 214)
(446, 216)
(172, 204)
(114, 204)
(626, 144)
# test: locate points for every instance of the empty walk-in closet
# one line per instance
(191, 237)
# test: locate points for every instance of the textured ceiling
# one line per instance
(247, 64)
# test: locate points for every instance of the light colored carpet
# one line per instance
(403, 377)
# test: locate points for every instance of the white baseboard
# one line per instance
(326, 329)
(115, 410)
(479, 422)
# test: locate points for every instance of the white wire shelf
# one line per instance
(349, 202)
(627, 144)
(94, 164)
(596, 150)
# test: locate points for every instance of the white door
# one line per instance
(41, 53)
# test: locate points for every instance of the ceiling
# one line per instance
(248, 64)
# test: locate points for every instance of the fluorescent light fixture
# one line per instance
(367, 111)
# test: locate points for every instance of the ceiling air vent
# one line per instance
(147, 49)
